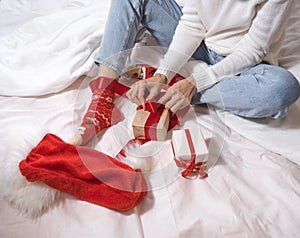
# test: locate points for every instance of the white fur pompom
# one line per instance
(30, 199)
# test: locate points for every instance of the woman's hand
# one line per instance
(146, 89)
(179, 94)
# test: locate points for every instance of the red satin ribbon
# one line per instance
(178, 116)
(175, 79)
(150, 106)
(150, 128)
(191, 165)
(110, 84)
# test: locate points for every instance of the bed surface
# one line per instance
(46, 62)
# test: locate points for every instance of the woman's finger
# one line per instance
(140, 96)
(132, 95)
(178, 105)
(154, 90)
(166, 98)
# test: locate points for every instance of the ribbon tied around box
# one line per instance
(190, 152)
(152, 121)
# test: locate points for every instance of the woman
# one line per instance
(233, 45)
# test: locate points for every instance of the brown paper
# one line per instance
(139, 122)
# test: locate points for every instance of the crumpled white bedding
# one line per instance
(49, 46)
(250, 192)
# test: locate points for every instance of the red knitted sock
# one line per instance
(100, 115)
(101, 112)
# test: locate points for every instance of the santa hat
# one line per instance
(49, 166)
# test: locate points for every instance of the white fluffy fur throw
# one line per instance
(30, 199)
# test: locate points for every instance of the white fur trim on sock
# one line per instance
(30, 199)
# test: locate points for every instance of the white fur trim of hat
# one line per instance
(29, 199)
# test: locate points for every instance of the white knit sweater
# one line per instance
(247, 32)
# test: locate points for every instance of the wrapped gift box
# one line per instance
(151, 123)
(190, 151)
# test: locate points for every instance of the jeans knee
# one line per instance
(288, 90)
(295, 85)
(292, 87)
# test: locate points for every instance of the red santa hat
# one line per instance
(37, 169)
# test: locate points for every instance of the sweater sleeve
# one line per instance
(187, 38)
(250, 50)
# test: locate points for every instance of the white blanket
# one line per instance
(50, 46)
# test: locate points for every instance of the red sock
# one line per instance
(100, 115)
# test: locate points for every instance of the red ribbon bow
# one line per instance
(198, 168)
(191, 165)
(153, 107)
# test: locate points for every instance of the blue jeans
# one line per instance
(262, 91)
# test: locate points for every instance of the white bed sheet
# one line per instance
(250, 192)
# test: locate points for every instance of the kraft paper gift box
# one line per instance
(151, 123)
(190, 151)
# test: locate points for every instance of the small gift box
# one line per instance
(144, 71)
(190, 151)
(151, 122)
(140, 71)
